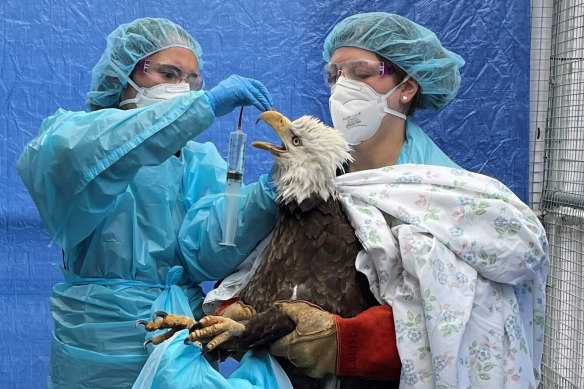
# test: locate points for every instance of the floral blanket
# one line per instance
(462, 261)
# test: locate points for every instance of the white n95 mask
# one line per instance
(357, 110)
(160, 92)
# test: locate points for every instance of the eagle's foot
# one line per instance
(217, 328)
(172, 322)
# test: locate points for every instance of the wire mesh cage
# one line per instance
(557, 179)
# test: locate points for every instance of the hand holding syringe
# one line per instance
(234, 182)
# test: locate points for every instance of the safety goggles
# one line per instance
(165, 73)
(358, 70)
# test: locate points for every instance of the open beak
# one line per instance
(279, 123)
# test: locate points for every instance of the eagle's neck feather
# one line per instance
(300, 183)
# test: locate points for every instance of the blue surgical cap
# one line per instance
(128, 44)
(412, 47)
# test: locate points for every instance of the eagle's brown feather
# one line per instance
(311, 257)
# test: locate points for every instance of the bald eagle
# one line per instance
(312, 253)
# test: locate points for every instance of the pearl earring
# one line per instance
(404, 98)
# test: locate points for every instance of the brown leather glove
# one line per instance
(236, 310)
(312, 346)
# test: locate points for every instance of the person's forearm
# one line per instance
(201, 232)
(366, 345)
(102, 151)
(74, 148)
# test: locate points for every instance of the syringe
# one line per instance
(235, 158)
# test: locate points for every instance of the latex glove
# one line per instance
(236, 91)
(312, 346)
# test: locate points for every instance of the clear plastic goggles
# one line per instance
(358, 70)
(164, 73)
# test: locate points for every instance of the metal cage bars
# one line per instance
(558, 191)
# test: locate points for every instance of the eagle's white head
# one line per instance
(308, 159)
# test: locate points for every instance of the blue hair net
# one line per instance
(412, 47)
(128, 44)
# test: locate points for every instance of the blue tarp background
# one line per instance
(48, 49)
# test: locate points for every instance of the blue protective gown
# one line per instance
(114, 195)
(419, 148)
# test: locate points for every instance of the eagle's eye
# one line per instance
(296, 141)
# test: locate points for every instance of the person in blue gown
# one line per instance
(114, 186)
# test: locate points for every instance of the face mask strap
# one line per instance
(395, 113)
(392, 91)
(128, 101)
(140, 90)
(122, 76)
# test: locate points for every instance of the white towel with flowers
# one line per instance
(464, 267)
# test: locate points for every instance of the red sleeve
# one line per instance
(224, 305)
(367, 345)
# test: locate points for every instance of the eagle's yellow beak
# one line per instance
(280, 124)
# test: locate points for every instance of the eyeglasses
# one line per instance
(169, 74)
(358, 70)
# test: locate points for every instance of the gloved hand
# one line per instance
(362, 346)
(236, 91)
(237, 311)
(312, 346)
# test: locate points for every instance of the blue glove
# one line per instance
(236, 91)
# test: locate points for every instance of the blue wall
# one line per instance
(50, 47)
